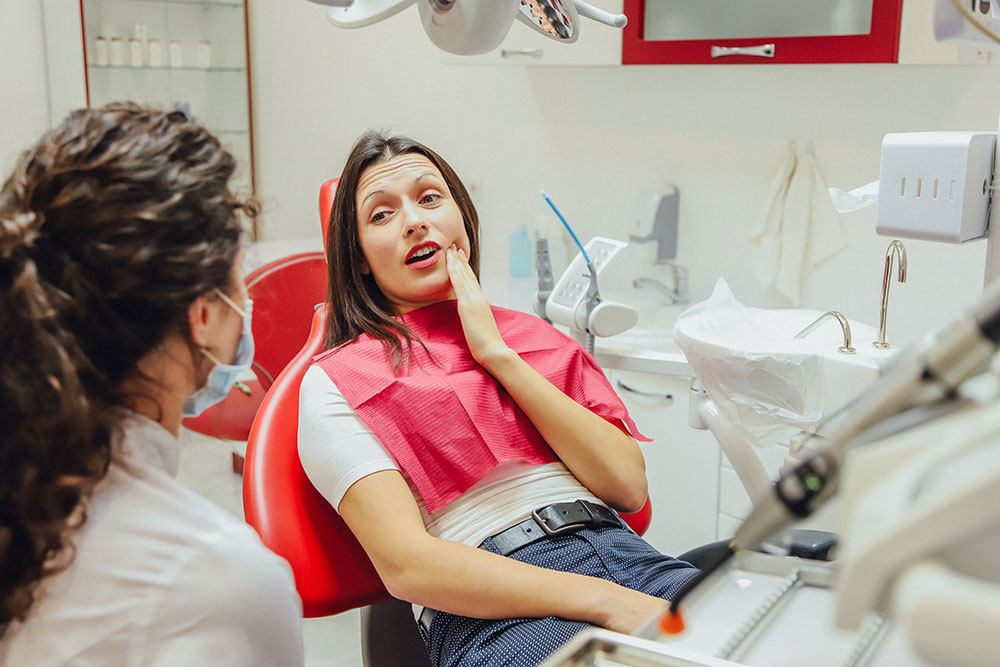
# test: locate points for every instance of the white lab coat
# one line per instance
(161, 576)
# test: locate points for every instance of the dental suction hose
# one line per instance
(924, 372)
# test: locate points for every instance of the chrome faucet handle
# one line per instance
(895, 249)
(844, 325)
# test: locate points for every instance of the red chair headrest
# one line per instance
(326, 193)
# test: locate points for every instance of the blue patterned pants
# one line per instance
(615, 554)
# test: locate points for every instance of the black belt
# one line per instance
(549, 521)
(554, 520)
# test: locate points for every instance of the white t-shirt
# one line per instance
(161, 577)
(337, 449)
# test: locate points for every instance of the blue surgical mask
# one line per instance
(223, 376)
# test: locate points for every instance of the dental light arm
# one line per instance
(924, 372)
(588, 11)
(470, 27)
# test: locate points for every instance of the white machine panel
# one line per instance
(571, 291)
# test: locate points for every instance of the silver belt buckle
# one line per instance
(568, 528)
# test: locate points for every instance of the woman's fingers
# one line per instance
(480, 327)
(462, 278)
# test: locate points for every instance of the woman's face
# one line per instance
(407, 218)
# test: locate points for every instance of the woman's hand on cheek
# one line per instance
(478, 324)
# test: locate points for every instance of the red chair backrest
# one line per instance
(326, 194)
(285, 293)
(332, 571)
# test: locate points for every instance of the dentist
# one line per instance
(124, 310)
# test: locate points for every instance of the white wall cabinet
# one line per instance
(682, 464)
(597, 45)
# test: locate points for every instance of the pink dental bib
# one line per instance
(445, 419)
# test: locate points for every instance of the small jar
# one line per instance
(204, 54)
(155, 53)
(101, 56)
(135, 52)
(176, 55)
(116, 51)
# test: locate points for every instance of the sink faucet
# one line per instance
(895, 249)
(679, 293)
(844, 325)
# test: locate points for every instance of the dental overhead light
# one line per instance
(470, 27)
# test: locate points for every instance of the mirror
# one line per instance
(745, 19)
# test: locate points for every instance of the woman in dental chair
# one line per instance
(475, 452)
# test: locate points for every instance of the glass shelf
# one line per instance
(217, 96)
(197, 3)
(169, 69)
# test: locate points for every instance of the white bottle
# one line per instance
(135, 52)
(101, 51)
(155, 53)
(204, 54)
(116, 50)
(176, 55)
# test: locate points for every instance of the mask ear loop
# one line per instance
(240, 311)
(212, 357)
(230, 302)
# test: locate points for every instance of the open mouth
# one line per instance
(422, 253)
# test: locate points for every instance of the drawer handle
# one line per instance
(531, 53)
(763, 51)
(666, 398)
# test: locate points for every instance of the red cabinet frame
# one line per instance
(881, 45)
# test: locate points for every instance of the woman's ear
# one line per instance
(199, 314)
(365, 269)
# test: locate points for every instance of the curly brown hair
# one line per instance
(357, 305)
(110, 227)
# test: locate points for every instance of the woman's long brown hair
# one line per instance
(357, 306)
(110, 227)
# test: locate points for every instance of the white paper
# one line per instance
(856, 199)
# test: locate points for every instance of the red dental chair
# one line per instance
(332, 572)
(285, 293)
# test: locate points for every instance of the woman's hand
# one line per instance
(481, 332)
(629, 610)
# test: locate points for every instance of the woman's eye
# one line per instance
(379, 216)
(430, 198)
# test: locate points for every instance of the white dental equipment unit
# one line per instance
(575, 301)
(471, 27)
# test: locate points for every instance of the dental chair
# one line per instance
(285, 293)
(332, 572)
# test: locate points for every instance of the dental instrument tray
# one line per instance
(759, 610)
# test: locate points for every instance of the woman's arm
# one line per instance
(601, 456)
(456, 578)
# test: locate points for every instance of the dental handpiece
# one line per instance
(546, 281)
(593, 298)
(925, 371)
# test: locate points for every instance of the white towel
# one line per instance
(799, 229)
